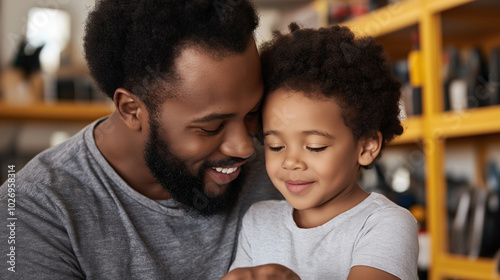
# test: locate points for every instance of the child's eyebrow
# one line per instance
(271, 132)
(319, 133)
(307, 132)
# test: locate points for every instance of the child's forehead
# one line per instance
(295, 109)
(312, 95)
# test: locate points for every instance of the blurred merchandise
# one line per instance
(451, 72)
(416, 73)
(458, 95)
(476, 225)
(21, 82)
(470, 80)
(400, 69)
(377, 4)
(338, 12)
(493, 87)
(477, 79)
(359, 9)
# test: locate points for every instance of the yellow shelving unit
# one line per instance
(463, 23)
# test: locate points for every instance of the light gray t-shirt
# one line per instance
(375, 233)
(77, 219)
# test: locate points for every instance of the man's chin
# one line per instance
(215, 190)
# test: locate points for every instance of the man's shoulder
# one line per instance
(62, 158)
(57, 168)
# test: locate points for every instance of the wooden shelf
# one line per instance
(60, 111)
(471, 122)
(386, 20)
(412, 133)
(475, 269)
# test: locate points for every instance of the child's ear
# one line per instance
(370, 148)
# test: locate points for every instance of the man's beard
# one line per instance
(172, 173)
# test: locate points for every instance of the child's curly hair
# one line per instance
(333, 63)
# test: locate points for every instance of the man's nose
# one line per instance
(238, 142)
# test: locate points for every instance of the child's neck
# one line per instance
(317, 216)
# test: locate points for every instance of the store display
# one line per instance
(494, 74)
(416, 79)
(477, 78)
(401, 73)
(476, 225)
(452, 70)
(458, 95)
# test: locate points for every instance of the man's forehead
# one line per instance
(198, 70)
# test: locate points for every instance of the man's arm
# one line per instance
(39, 244)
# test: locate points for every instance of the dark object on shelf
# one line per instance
(477, 79)
(376, 4)
(476, 225)
(494, 83)
(65, 89)
(400, 70)
(29, 62)
(452, 72)
(417, 101)
(76, 88)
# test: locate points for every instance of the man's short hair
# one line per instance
(133, 43)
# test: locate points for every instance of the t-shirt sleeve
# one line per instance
(243, 256)
(39, 246)
(389, 242)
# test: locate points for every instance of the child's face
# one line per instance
(311, 155)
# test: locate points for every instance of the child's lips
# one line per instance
(297, 186)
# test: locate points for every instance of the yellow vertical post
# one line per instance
(430, 44)
(321, 7)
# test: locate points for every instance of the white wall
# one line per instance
(13, 21)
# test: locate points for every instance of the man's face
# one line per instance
(200, 138)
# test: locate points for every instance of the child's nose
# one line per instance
(293, 162)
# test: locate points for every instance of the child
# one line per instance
(331, 107)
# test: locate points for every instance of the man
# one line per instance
(157, 189)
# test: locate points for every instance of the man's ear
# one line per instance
(370, 148)
(130, 109)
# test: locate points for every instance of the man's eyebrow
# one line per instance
(214, 117)
(319, 133)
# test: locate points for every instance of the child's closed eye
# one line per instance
(316, 149)
(276, 148)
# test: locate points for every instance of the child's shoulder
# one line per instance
(267, 210)
(266, 205)
(382, 207)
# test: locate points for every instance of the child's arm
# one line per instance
(387, 247)
(262, 272)
(369, 273)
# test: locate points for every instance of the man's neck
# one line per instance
(123, 149)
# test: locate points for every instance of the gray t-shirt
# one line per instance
(75, 218)
(375, 233)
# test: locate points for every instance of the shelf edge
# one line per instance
(388, 19)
